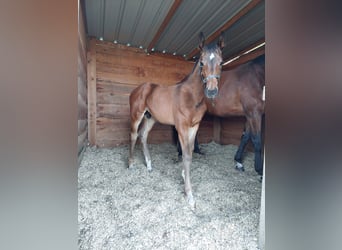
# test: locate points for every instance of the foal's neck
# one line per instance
(195, 81)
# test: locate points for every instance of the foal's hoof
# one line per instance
(130, 165)
(149, 166)
(191, 201)
(239, 167)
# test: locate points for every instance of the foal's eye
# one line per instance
(201, 64)
(221, 63)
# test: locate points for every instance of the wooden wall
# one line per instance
(82, 86)
(113, 72)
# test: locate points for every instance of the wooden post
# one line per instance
(91, 78)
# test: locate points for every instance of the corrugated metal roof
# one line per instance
(246, 31)
(136, 22)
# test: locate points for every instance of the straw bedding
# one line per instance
(122, 208)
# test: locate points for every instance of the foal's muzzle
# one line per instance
(210, 93)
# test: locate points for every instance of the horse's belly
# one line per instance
(162, 115)
(225, 108)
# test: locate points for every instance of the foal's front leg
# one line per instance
(187, 138)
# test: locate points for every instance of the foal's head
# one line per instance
(210, 62)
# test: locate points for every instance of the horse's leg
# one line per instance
(135, 122)
(144, 131)
(196, 145)
(243, 142)
(258, 164)
(187, 138)
(257, 143)
(255, 127)
(178, 145)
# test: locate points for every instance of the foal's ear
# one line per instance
(201, 40)
(220, 42)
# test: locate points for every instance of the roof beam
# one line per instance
(166, 21)
(228, 24)
(244, 58)
(253, 45)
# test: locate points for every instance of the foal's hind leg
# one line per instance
(243, 142)
(144, 131)
(135, 122)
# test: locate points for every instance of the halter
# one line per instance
(204, 80)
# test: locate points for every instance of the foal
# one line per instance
(181, 105)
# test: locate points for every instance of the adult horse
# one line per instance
(182, 105)
(241, 94)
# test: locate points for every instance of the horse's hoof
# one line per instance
(239, 167)
(198, 151)
(260, 179)
(149, 169)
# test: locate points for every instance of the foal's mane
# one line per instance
(188, 75)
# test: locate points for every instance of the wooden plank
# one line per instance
(112, 133)
(104, 122)
(112, 110)
(117, 58)
(82, 126)
(81, 28)
(105, 143)
(227, 141)
(135, 75)
(82, 108)
(91, 55)
(129, 77)
(107, 47)
(112, 98)
(114, 143)
(244, 58)
(82, 56)
(217, 130)
(81, 141)
(82, 88)
(246, 49)
(148, 73)
(82, 73)
(228, 121)
(113, 87)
